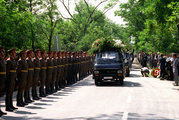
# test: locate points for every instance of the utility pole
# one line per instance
(57, 43)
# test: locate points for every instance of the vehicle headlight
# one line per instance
(119, 71)
(96, 72)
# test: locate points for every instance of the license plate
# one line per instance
(108, 78)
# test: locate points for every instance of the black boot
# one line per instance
(9, 109)
(42, 92)
(28, 97)
(2, 113)
(19, 102)
(11, 104)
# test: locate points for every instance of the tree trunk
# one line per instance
(50, 40)
(32, 36)
(178, 28)
(32, 31)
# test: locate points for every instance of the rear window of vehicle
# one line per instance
(107, 55)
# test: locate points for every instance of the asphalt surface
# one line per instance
(138, 99)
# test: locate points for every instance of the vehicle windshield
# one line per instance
(108, 57)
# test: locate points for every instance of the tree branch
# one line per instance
(66, 17)
(62, 1)
(78, 9)
(87, 6)
(90, 17)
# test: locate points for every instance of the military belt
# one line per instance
(31, 69)
(24, 71)
(50, 66)
(60, 65)
(12, 70)
(37, 68)
(2, 73)
(44, 68)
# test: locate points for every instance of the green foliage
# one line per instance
(87, 26)
(153, 24)
(36, 23)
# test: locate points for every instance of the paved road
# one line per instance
(139, 99)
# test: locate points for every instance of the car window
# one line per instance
(107, 55)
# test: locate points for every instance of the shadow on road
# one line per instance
(34, 107)
(13, 118)
(42, 104)
(22, 112)
(131, 84)
(119, 116)
(116, 116)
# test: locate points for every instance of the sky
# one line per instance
(109, 14)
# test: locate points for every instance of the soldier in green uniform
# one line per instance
(63, 72)
(72, 67)
(69, 72)
(75, 66)
(49, 72)
(22, 72)
(82, 64)
(36, 75)
(2, 75)
(59, 72)
(43, 73)
(29, 60)
(54, 76)
(86, 64)
(65, 67)
(78, 65)
(11, 79)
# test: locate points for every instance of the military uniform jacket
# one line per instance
(30, 72)
(36, 71)
(43, 70)
(2, 77)
(11, 73)
(49, 70)
(22, 72)
(60, 65)
(54, 69)
(43, 66)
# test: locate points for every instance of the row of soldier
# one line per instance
(51, 73)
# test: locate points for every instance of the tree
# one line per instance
(87, 23)
(148, 23)
(34, 6)
(49, 18)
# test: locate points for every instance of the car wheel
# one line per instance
(97, 82)
(121, 81)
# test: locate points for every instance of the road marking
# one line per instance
(125, 116)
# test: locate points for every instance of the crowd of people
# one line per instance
(168, 65)
(50, 71)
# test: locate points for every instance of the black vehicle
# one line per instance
(108, 66)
